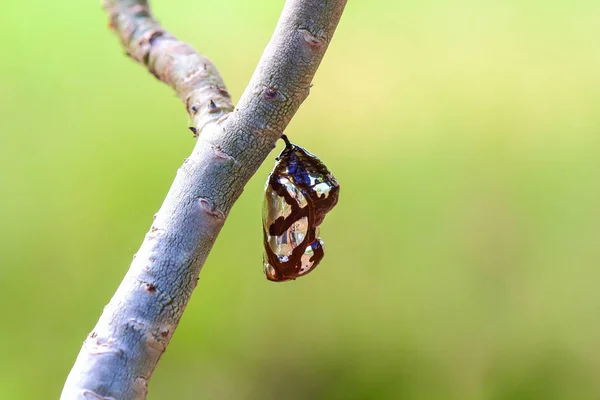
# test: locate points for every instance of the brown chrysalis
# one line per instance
(299, 192)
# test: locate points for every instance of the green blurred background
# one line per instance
(462, 261)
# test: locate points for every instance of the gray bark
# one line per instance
(118, 357)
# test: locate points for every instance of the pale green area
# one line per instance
(462, 261)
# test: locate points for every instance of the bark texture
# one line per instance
(118, 357)
(194, 77)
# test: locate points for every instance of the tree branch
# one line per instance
(194, 77)
(120, 354)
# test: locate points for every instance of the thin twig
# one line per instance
(120, 354)
(194, 77)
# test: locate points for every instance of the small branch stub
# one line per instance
(211, 210)
(312, 40)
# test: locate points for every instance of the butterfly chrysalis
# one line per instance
(299, 192)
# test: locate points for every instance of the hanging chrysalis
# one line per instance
(299, 192)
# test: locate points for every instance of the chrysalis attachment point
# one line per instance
(299, 192)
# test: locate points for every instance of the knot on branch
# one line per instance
(271, 93)
(158, 338)
(313, 41)
(222, 155)
(211, 210)
(150, 288)
(212, 107)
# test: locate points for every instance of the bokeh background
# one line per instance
(462, 261)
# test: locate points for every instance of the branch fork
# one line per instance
(119, 356)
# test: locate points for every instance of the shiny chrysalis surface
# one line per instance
(298, 194)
